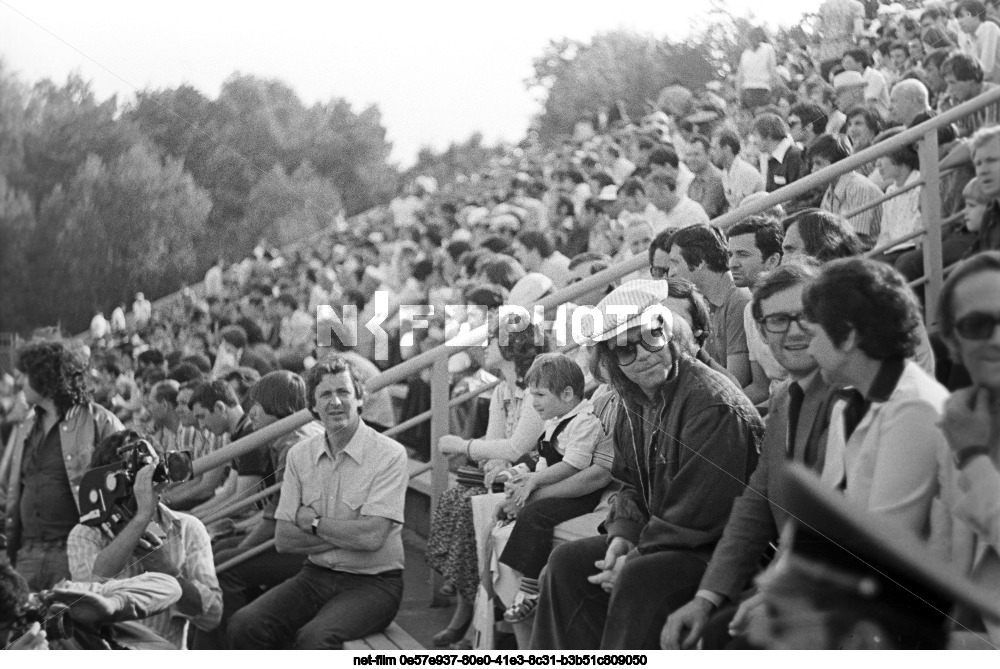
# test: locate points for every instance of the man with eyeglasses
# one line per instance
(795, 430)
(969, 318)
(685, 443)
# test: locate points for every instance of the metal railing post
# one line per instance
(930, 212)
(440, 426)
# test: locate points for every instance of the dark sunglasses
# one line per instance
(658, 272)
(652, 340)
(977, 325)
(780, 322)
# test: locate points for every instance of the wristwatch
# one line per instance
(315, 526)
(964, 455)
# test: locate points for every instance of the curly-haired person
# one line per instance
(51, 452)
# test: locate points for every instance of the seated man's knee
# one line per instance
(316, 636)
(240, 625)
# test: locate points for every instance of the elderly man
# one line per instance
(341, 505)
(907, 101)
(969, 318)
(699, 434)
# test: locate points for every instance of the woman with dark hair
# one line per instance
(757, 72)
(513, 430)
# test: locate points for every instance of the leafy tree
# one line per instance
(457, 161)
(64, 125)
(17, 270)
(115, 229)
(578, 79)
(283, 208)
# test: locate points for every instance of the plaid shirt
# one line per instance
(189, 549)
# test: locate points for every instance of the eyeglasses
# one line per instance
(780, 322)
(977, 325)
(652, 340)
(659, 272)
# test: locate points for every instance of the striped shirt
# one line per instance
(848, 194)
(188, 548)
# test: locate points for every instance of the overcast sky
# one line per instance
(439, 71)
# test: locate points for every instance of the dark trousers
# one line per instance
(317, 608)
(241, 584)
(530, 542)
(574, 614)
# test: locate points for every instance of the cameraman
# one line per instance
(98, 611)
(155, 539)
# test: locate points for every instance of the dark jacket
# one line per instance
(757, 517)
(677, 496)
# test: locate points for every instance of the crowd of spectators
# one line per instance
(774, 341)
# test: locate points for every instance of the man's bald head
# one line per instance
(908, 99)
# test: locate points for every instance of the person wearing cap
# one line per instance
(795, 431)
(968, 318)
(846, 579)
(876, 88)
(685, 442)
(849, 88)
(884, 446)
(739, 178)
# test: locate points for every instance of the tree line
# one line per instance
(99, 200)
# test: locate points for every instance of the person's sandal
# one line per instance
(521, 610)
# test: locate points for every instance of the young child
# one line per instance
(572, 472)
(975, 205)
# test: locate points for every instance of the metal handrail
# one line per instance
(804, 185)
(437, 358)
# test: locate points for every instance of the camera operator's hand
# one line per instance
(88, 607)
(33, 639)
(145, 497)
